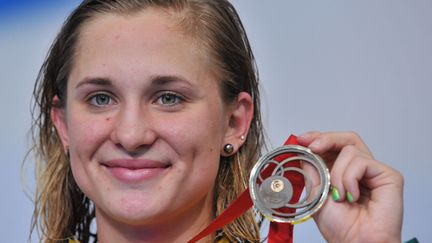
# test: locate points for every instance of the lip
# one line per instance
(135, 170)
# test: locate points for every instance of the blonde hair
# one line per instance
(61, 209)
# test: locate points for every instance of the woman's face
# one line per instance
(144, 120)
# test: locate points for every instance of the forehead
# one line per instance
(149, 27)
(150, 36)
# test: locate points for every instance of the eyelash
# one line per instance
(178, 99)
(93, 99)
(169, 94)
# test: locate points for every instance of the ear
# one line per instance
(239, 121)
(58, 117)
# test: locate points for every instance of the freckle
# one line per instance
(108, 119)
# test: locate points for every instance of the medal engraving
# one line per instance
(276, 191)
(277, 185)
(272, 191)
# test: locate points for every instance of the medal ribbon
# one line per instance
(278, 232)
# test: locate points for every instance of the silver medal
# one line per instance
(271, 190)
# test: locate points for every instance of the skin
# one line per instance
(119, 108)
(375, 213)
(141, 94)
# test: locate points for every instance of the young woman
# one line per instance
(148, 122)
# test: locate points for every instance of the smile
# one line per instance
(135, 171)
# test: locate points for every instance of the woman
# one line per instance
(149, 123)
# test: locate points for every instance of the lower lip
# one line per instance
(127, 175)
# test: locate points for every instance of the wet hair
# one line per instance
(61, 209)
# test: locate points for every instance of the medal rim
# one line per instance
(324, 173)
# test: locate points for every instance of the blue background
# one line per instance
(324, 65)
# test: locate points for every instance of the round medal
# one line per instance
(275, 175)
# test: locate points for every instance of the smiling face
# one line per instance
(144, 120)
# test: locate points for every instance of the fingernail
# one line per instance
(349, 197)
(335, 194)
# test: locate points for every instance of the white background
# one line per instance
(325, 65)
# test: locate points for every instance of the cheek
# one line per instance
(87, 133)
(196, 143)
(204, 132)
(196, 139)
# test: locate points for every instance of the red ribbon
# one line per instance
(279, 232)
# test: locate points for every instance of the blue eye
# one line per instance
(101, 100)
(169, 99)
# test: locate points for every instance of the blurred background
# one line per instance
(325, 65)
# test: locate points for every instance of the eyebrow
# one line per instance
(163, 80)
(157, 80)
(95, 81)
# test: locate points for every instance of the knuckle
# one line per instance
(349, 150)
(353, 135)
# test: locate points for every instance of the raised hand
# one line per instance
(367, 204)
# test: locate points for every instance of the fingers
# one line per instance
(348, 177)
(377, 178)
(353, 167)
(331, 141)
(347, 171)
(374, 190)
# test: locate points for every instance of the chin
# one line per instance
(134, 209)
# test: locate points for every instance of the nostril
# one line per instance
(131, 132)
(133, 151)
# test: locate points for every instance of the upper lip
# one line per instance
(135, 164)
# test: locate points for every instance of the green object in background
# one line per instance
(413, 240)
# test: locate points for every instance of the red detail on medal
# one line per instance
(283, 232)
(279, 232)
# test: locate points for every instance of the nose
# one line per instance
(133, 130)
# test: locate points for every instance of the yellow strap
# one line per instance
(223, 240)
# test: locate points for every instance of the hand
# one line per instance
(370, 204)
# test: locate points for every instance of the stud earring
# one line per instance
(228, 148)
(242, 137)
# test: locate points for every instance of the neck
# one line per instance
(178, 228)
